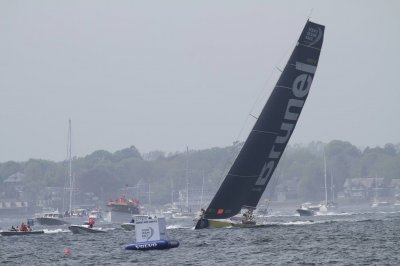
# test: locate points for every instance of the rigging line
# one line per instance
(265, 88)
(254, 116)
(229, 161)
(261, 95)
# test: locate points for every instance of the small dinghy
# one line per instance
(84, 229)
(151, 234)
(21, 233)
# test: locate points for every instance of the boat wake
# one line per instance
(178, 226)
(55, 231)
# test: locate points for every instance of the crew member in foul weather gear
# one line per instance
(91, 222)
(23, 227)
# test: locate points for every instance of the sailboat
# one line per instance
(250, 173)
(307, 209)
(54, 217)
(376, 202)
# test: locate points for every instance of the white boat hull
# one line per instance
(84, 229)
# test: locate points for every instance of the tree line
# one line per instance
(104, 174)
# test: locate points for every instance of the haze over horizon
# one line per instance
(166, 75)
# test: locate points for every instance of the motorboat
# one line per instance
(83, 229)
(51, 218)
(21, 233)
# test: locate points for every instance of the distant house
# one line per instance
(13, 185)
(11, 195)
(395, 185)
(286, 189)
(366, 188)
(14, 179)
(53, 198)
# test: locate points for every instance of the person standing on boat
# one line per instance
(23, 227)
(91, 222)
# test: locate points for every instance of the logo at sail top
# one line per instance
(300, 88)
(313, 35)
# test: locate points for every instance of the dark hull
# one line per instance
(223, 223)
(304, 212)
(19, 233)
(51, 221)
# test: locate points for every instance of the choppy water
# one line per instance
(344, 239)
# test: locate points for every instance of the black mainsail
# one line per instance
(249, 175)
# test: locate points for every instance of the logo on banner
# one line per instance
(147, 233)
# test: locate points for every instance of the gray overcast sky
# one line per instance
(161, 75)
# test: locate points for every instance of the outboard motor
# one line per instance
(30, 222)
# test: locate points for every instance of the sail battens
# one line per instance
(309, 46)
(263, 149)
(246, 176)
(283, 87)
(266, 132)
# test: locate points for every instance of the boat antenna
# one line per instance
(310, 14)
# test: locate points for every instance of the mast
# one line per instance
(202, 191)
(332, 188)
(187, 178)
(149, 196)
(376, 189)
(172, 192)
(70, 165)
(326, 188)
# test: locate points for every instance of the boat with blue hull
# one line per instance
(256, 162)
(158, 244)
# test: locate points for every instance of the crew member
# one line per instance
(91, 222)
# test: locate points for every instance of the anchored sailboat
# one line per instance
(249, 175)
(307, 209)
(54, 217)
